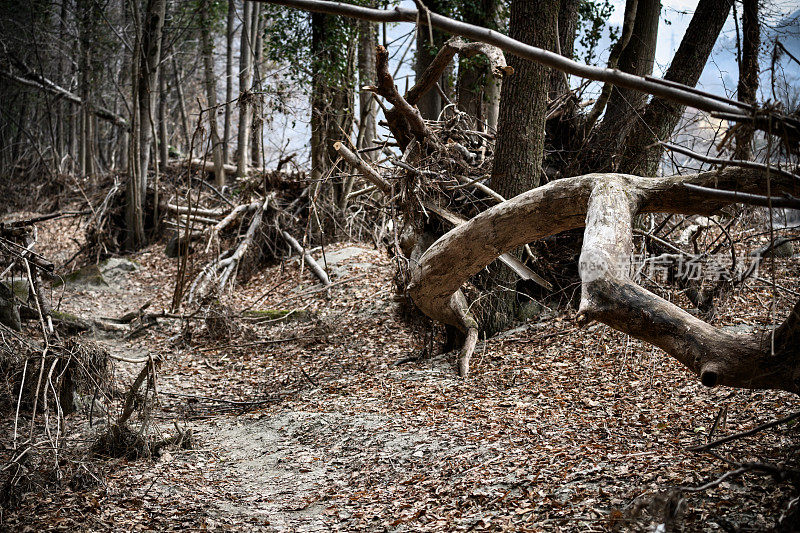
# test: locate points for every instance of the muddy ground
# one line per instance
(306, 423)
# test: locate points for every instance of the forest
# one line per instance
(407, 265)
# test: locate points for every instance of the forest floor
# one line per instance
(307, 424)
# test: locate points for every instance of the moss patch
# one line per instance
(88, 275)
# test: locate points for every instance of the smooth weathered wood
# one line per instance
(605, 204)
(310, 261)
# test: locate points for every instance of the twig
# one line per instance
(736, 436)
(746, 198)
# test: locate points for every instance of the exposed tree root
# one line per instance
(605, 204)
(228, 262)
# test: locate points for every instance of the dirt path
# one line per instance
(557, 430)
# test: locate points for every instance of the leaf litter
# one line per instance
(307, 424)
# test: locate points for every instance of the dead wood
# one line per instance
(453, 46)
(766, 119)
(605, 204)
(310, 261)
(221, 269)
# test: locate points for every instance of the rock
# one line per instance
(781, 247)
(530, 309)
(118, 264)
(739, 329)
(103, 276)
(176, 245)
(348, 252)
(88, 276)
(9, 311)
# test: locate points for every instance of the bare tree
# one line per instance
(230, 35)
(147, 55)
(207, 50)
(519, 150)
(605, 204)
(429, 41)
(246, 48)
(368, 108)
(748, 73)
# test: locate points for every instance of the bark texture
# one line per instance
(523, 104)
(748, 73)
(333, 45)
(207, 50)
(245, 81)
(474, 73)
(368, 107)
(661, 116)
(567, 28)
(430, 105)
(519, 151)
(230, 35)
(148, 82)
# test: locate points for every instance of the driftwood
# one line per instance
(605, 204)
(228, 262)
(310, 261)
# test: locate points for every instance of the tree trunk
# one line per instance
(147, 56)
(163, 136)
(641, 153)
(134, 213)
(152, 27)
(245, 82)
(368, 107)
(523, 105)
(332, 98)
(624, 107)
(638, 58)
(474, 73)
(182, 106)
(430, 105)
(85, 27)
(63, 108)
(229, 38)
(748, 74)
(567, 28)
(207, 49)
(258, 101)
(519, 150)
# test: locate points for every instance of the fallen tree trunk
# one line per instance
(208, 166)
(43, 84)
(606, 204)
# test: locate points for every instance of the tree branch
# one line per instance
(43, 84)
(453, 46)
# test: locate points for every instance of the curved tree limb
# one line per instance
(605, 205)
(456, 45)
